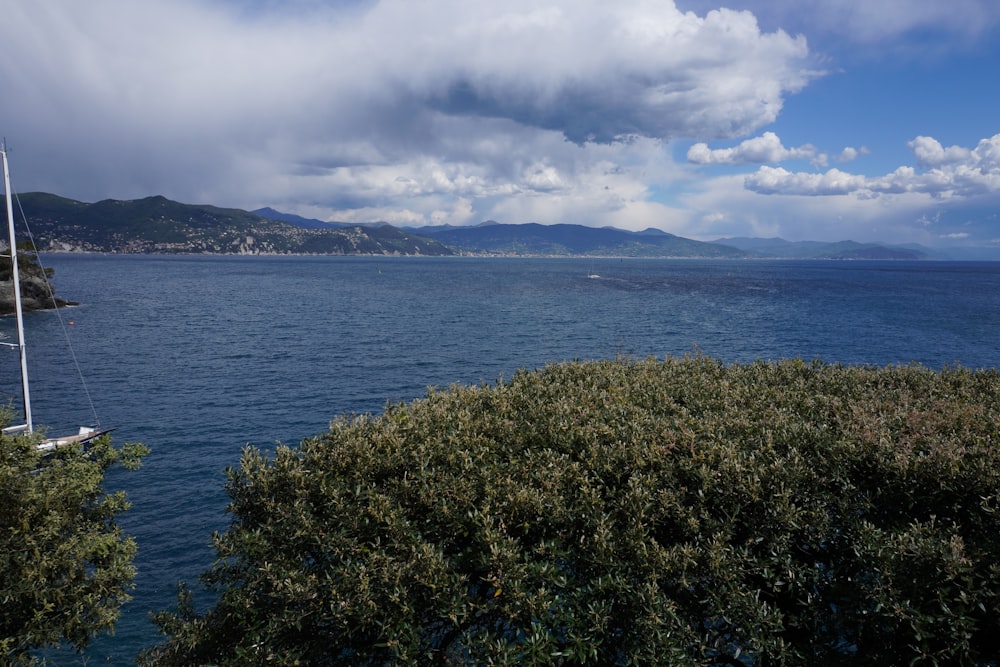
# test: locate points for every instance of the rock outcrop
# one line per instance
(37, 292)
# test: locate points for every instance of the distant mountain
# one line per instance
(979, 253)
(782, 249)
(298, 220)
(159, 225)
(569, 239)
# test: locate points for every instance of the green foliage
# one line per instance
(65, 567)
(623, 512)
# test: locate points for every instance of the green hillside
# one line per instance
(159, 225)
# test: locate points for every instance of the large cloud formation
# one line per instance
(443, 111)
(599, 71)
(410, 111)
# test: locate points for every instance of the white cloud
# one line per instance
(765, 148)
(589, 69)
(955, 172)
(850, 153)
(776, 180)
(930, 153)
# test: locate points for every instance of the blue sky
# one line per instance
(871, 120)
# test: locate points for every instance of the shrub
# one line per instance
(65, 566)
(623, 512)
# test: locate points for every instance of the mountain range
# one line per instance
(566, 239)
(494, 238)
(159, 225)
(780, 248)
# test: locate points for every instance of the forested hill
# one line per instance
(159, 225)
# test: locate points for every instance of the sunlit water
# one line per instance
(199, 356)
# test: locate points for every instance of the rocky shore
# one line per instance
(37, 292)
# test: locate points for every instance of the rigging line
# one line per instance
(52, 298)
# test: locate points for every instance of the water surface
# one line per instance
(199, 356)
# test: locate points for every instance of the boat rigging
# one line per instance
(85, 433)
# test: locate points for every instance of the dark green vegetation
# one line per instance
(158, 225)
(623, 512)
(65, 566)
(37, 292)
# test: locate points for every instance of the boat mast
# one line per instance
(17, 293)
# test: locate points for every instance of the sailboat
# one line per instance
(86, 433)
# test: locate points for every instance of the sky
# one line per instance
(870, 120)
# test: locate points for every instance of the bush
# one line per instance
(623, 512)
(65, 566)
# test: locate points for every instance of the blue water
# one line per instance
(199, 356)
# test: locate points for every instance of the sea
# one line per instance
(199, 357)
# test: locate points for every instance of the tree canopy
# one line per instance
(622, 512)
(65, 566)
